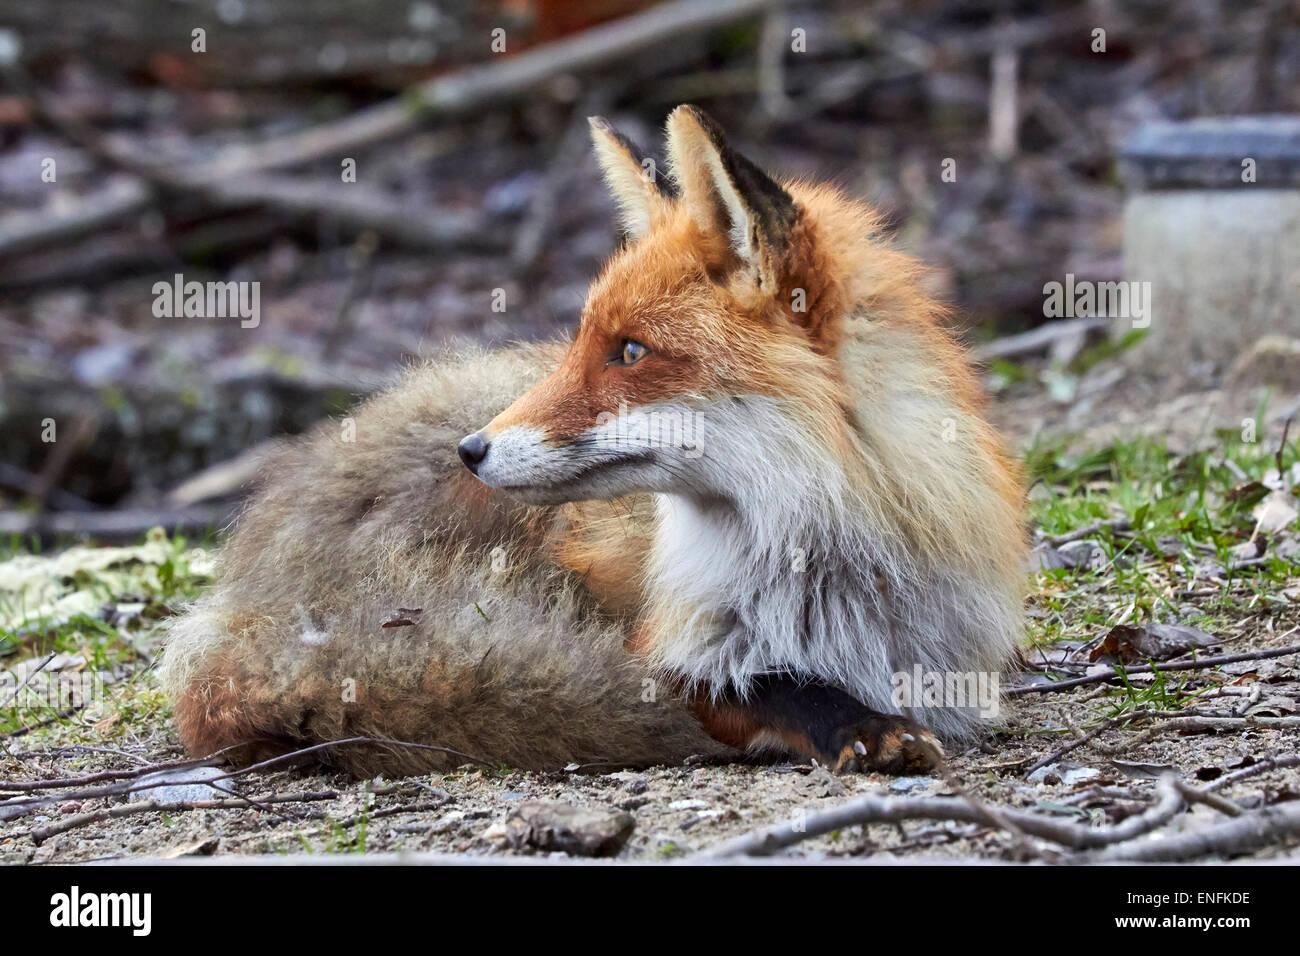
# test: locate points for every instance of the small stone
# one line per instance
(1068, 773)
(498, 834)
(688, 805)
(182, 786)
(1272, 360)
(820, 783)
(909, 784)
(551, 826)
(1081, 554)
(205, 847)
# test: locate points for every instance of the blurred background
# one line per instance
(392, 173)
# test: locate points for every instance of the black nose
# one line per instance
(472, 450)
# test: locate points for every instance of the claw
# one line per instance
(859, 748)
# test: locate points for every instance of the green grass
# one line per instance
(1185, 513)
(337, 838)
(105, 606)
(1165, 692)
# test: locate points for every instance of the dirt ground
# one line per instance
(678, 812)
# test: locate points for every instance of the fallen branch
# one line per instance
(346, 741)
(1262, 766)
(33, 486)
(1087, 531)
(23, 731)
(877, 809)
(1250, 831)
(358, 208)
(1198, 723)
(1214, 661)
(21, 806)
(1213, 800)
(486, 84)
(917, 58)
(23, 232)
(1075, 744)
(233, 177)
(82, 749)
(127, 523)
(353, 205)
(1036, 340)
(111, 252)
(1025, 848)
(26, 786)
(222, 480)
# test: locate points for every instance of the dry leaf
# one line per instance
(1150, 642)
(1274, 513)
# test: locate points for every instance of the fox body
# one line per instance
(754, 488)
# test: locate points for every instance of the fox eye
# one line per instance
(632, 352)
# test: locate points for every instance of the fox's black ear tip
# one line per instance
(701, 119)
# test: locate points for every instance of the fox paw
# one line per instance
(885, 744)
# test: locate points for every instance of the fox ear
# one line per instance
(727, 193)
(635, 189)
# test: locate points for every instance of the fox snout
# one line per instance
(473, 448)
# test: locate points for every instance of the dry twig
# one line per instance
(24, 805)
(877, 809)
(28, 679)
(1262, 766)
(1192, 665)
(1250, 831)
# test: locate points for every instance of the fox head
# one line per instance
(706, 346)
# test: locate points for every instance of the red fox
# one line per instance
(754, 490)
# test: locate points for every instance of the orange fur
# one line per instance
(525, 610)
